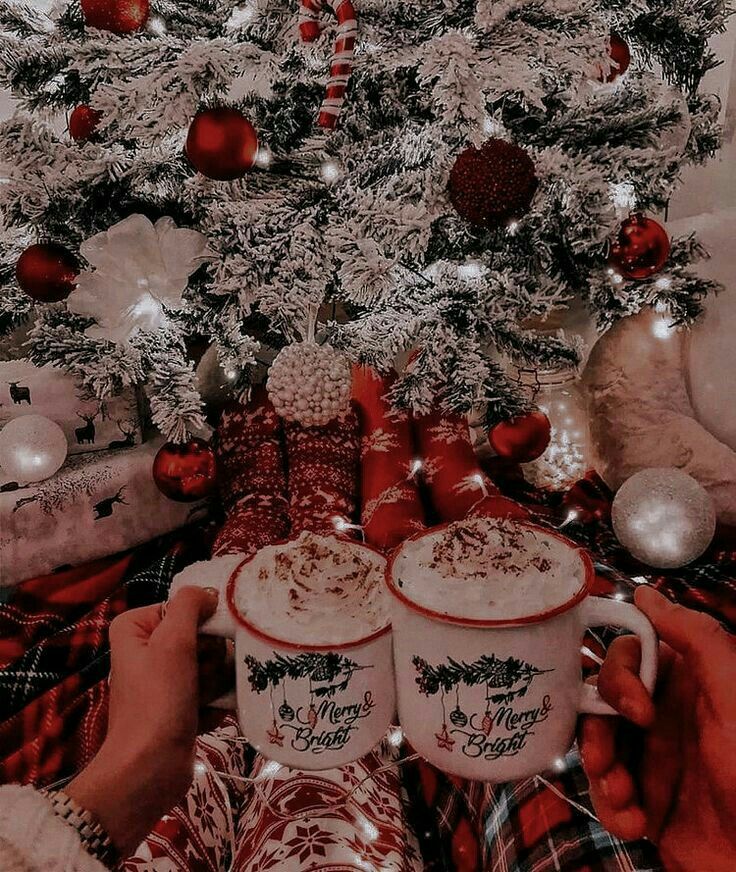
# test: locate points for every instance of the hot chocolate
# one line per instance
(488, 569)
(316, 590)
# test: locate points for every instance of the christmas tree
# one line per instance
(489, 164)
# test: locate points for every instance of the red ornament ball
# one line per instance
(222, 144)
(641, 248)
(83, 122)
(118, 16)
(620, 54)
(47, 272)
(521, 439)
(492, 184)
(185, 472)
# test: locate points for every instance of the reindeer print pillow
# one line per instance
(88, 425)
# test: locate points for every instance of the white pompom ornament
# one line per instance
(309, 383)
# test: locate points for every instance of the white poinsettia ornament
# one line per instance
(139, 269)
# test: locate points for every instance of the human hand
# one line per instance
(674, 779)
(146, 762)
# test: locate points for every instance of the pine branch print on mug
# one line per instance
(511, 677)
(324, 723)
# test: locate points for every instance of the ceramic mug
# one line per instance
(309, 706)
(498, 700)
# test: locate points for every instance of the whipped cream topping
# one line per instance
(488, 569)
(315, 590)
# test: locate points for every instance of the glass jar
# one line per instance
(559, 394)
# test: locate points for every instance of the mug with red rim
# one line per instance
(497, 699)
(309, 706)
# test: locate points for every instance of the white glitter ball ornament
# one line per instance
(32, 448)
(309, 383)
(664, 517)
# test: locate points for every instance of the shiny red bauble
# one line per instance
(521, 439)
(185, 472)
(222, 144)
(118, 16)
(83, 122)
(47, 272)
(620, 55)
(491, 185)
(641, 248)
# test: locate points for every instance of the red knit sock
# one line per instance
(323, 474)
(391, 507)
(252, 477)
(450, 468)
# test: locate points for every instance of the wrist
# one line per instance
(127, 793)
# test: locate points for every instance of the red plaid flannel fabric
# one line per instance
(530, 826)
(42, 606)
(54, 658)
(54, 697)
(63, 730)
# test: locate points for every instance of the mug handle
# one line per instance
(220, 624)
(597, 612)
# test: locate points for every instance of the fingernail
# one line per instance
(212, 592)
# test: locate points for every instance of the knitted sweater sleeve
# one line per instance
(34, 839)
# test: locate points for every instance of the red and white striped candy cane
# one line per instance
(342, 55)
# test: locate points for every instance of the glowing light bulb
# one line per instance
(330, 171)
(661, 328)
(559, 764)
(416, 466)
(470, 270)
(242, 15)
(513, 228)
(157, 25)
(664, 283)
(491, 127)
(623, 196)
(368, 829)
(147, 311)
(269, 770)
(395, 737)
(480, 481)
(200, 768)
(231, 374)
(263, 157)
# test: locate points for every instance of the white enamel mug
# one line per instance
(499, 700)
(309, 706)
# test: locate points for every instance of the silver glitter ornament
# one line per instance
(663, 517)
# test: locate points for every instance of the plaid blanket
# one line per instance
(53, 698)
(43, 606)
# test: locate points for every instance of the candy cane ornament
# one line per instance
(342, 55)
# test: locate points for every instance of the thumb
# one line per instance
(185, 613)
(694, 635)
